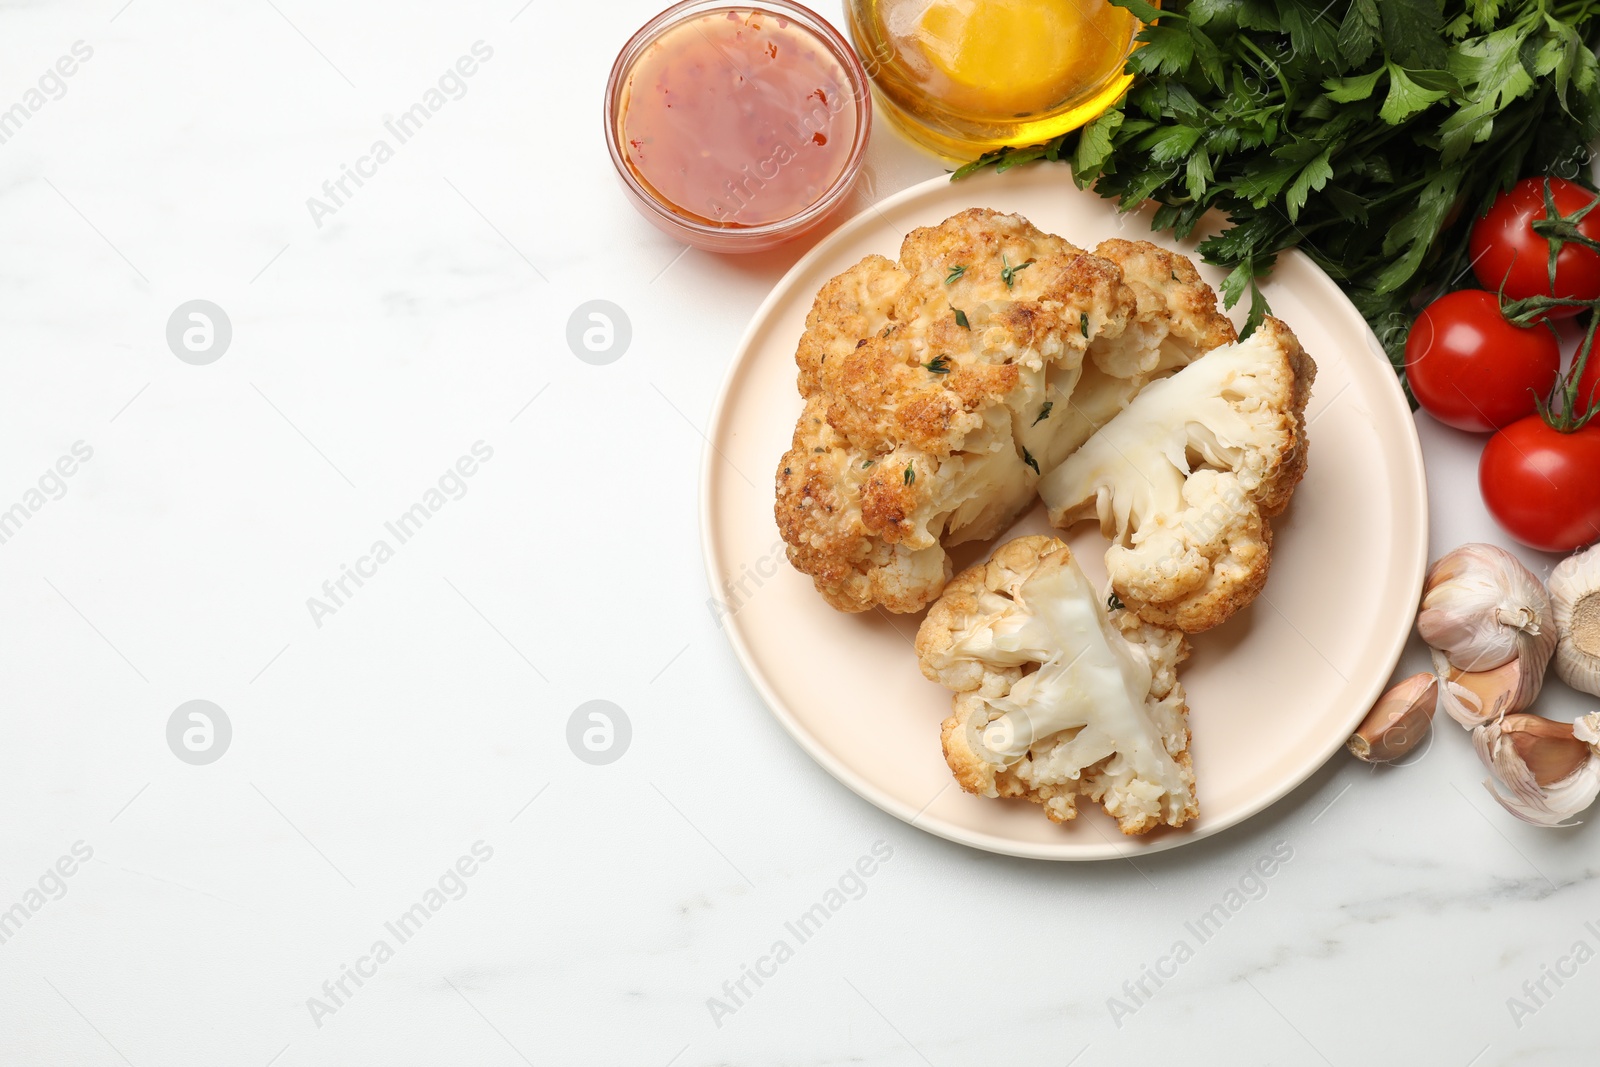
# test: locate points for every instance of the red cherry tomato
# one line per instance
(1505, 248)
(1542, 485)
(1473, 370)
(1589, 384)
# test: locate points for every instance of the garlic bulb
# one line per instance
(1550, 770)
(1575, 600)
(1482, 608)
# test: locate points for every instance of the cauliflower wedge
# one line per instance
(1055, 697)
(1185, 477)
(938, 387)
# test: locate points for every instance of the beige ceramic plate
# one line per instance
(1273, 693)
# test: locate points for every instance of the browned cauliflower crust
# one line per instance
(937, 388)
(1056, 697)
(1185, 478)
(1175, 317)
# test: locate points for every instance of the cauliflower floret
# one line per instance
(1175, 318)
(1174, 321)
(1056, 698)
(937, 388)
(1185, 477)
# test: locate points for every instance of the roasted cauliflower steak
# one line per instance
(1057, 697)
(937, 388)
(1185, 478)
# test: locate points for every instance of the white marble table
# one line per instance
(405, 743)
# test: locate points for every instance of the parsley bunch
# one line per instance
(1367, 133)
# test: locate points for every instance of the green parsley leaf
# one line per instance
(1044, 412)
(1167, 50)
(1258, 311)
(1406, 97)
(1197, 174)
(1493, 66)
(1143, 11)
(1358, 87)
(1114, 603)
(961, 318)
(1358, 32)
(1311, 179)
(1008, 273)
(1094, 146)
(1413, 32)
(1027, 457)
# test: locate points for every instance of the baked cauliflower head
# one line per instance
(937, 388)
(1184, 479)
(1057, 698)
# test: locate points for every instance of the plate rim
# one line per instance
(1415, 473)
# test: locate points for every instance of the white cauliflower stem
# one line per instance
(1055, 697)
(1184, 478)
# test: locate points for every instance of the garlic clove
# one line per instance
(1547, 773)
(1473, 698)
(1399, 720)
(1482, 608)
(1550, 749)
(1575, 607)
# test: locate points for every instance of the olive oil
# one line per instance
(964, 76)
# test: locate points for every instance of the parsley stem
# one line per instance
(1277, 72)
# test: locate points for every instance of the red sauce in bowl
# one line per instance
(738, 118)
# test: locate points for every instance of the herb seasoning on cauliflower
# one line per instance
(1056, 697)
(938, 388)
(1185, 477)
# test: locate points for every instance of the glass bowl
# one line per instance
(961, 77)
(728, 236)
